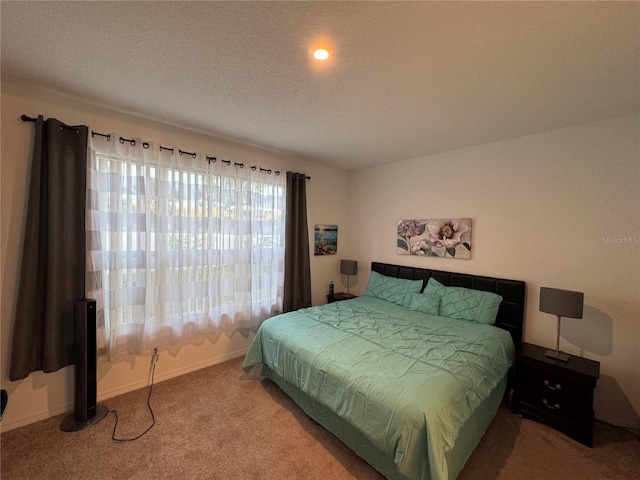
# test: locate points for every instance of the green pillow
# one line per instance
(391, 289)
(465, 303)
(429, 303)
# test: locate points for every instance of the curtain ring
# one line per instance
(105, 135)
(193, 154)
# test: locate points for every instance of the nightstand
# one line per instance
(336, 297)
(557, 393)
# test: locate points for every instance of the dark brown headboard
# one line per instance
(511, 314)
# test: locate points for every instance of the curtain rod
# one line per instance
(210, 160)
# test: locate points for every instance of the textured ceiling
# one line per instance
(407, 79)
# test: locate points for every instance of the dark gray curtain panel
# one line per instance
(53, 257)
(297, 269)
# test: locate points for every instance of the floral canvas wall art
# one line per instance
(444, 237)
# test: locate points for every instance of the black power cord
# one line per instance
(154, 359)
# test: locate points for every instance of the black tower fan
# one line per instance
(86, 411)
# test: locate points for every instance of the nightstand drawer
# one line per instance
(555, 392)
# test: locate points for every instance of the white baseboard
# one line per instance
(5, 425)
(114, 392)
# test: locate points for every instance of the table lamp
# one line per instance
(348, 268)
(562, 303)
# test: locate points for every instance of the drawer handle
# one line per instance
(550, 387)
(555, 406)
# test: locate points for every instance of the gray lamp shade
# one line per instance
(348, 267)
(563, 303)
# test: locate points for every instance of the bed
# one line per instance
(410, 375)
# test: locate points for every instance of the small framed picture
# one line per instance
(326, 240)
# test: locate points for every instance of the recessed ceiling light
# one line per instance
(321, 54)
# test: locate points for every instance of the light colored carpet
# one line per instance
(220, 423)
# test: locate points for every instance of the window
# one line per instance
(180, 247)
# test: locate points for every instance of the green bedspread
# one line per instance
(405, 380)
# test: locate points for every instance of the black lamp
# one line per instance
(562, 303)
(348, 268)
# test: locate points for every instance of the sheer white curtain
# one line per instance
(180, 246)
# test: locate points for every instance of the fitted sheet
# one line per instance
(403, 383)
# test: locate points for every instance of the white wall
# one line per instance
(40, 396)
(542, 206)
